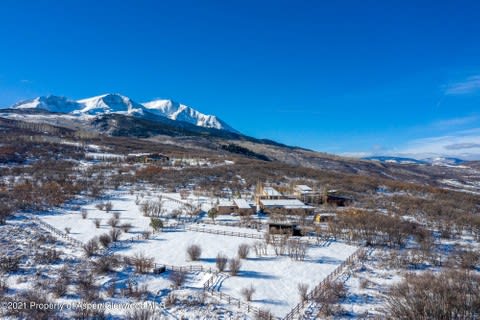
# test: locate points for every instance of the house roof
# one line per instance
(242, 204)
(269, 191)
(303, 188)
(226, 203)
(285, 203)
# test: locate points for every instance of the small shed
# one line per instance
(284, 228)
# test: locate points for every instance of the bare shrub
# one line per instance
(126, 227)
(116, 215)
(469, 258)
(134, 290)
(178, 278)
(264, 314)
(234, 266)
(112, 288)
(84, 213)
(47, 256)
(194, 252)
(10, 263)
(106, 264)
(248, 292)
(142, 263)
(86, 287)
(108, 206)
(364, 283)
(329, 297)
(243, 250)
(91, 247)
(67, 230)
(146, 234)
(303, 291)
(105, 240)
(113, 222)
(115, 234)
(97, 222)
(221, 262)
(31, 296)
(140, 314)
(171, 299)
(296, 249)
(5, 211)
(260, 248)
(60, 287)
(3, 284)
(89, 313)
(452, 294)
(100, 206)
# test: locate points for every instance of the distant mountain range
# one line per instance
(401, 160)
(110, 103)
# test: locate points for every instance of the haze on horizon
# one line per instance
(353, 78)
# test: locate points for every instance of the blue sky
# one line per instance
(346, 77)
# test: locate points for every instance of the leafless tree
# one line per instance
(234, 266)
(105, 240)
(113, 222)
(115, 234)
(194, 252)
(178, 278)
(221, 262)
(91, 247)
(142, 263)
(126, 227)
(303, 291)
(108, 206)
(248, 292)
(243, 250)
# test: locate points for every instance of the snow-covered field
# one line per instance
(275, 278)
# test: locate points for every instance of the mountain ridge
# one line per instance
(120, 104)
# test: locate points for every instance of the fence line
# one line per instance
(225, 233)
(56, 231)
(314, 292)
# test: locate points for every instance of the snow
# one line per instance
(110, 103)
(272, 192)
(117, 103)
(176, 111)
(275, 278)
(287, 203)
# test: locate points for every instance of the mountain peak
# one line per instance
(50, 103)
(116, 103)
(110, 103)
(177, 111)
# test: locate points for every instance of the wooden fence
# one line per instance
(56, 231)
(225, 232)
(315, 291)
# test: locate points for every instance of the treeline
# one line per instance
(375, 229)
(233, 148)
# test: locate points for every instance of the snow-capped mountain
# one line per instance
(119, 104)
(181, 112)
(391, 159)
(109, 103)
(444, 161)
(432, 161)
(49, 103)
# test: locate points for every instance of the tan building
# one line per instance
(239, 206)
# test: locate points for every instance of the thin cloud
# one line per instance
(461, 144)
(470, 85)
(449, 123)
(458, 146)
